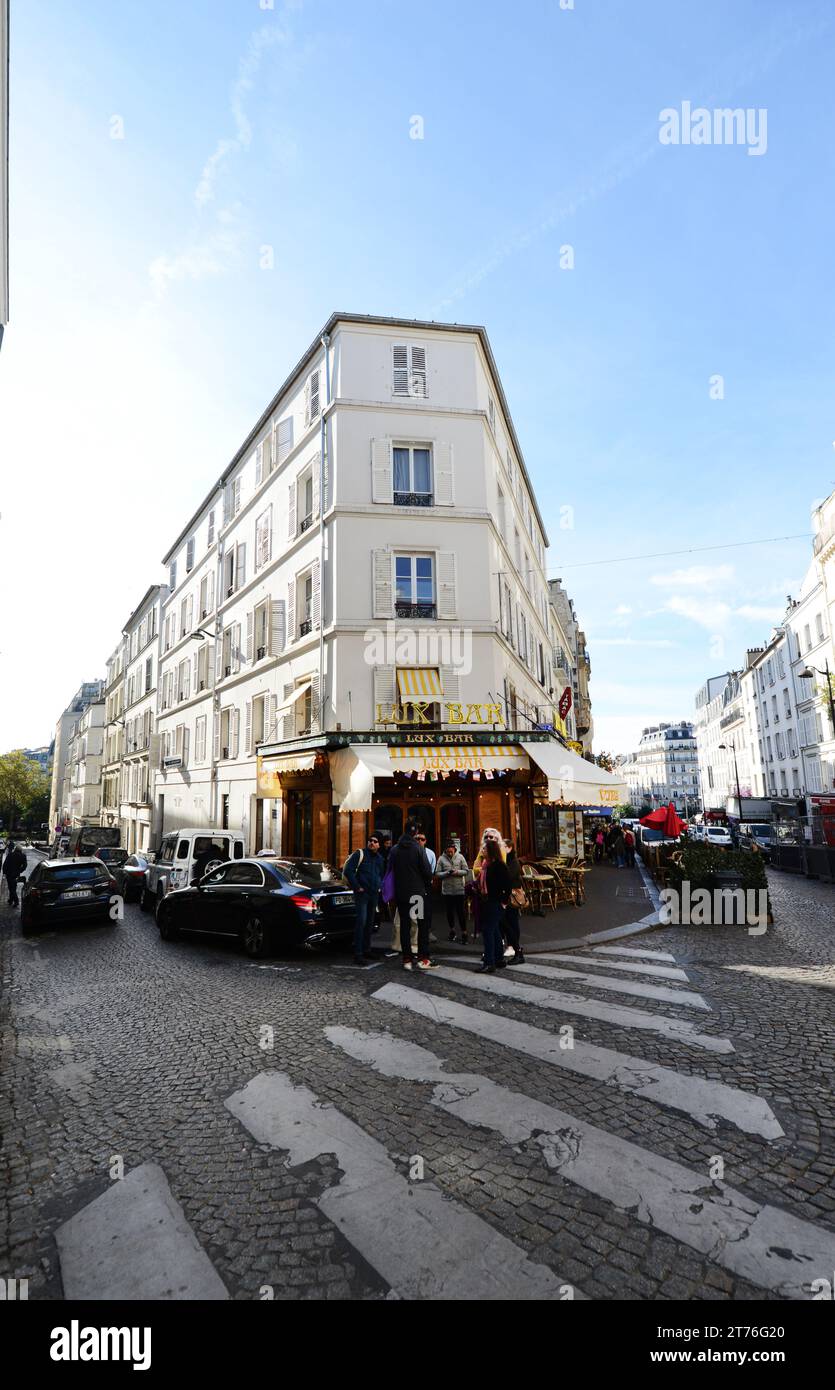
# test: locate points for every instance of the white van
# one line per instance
(184, 853)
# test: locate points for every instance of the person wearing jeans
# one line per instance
(412, 886)
(453, 871)
(495, 895)
(364, 872)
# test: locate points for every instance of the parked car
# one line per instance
(266, 904)
(112, 857)
(758, 837)
(131, 876)
(718, 835)
(184, 852)
(66, 890)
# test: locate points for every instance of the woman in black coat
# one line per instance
(495, 895)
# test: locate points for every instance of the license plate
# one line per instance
(343, 899)
(78, 893)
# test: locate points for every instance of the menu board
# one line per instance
(567, 831)
(581, 844)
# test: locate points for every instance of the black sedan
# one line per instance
(66, 890)
(266, 904)
(130, 876)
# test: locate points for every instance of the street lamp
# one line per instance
(808, 673)
(202, 635)
(736, 772)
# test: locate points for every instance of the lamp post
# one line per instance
(736, 774)
(808, 673)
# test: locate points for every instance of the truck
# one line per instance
(84, 840)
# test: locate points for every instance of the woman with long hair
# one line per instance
(495, 892)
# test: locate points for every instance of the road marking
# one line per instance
(764, 1244)
(133, 1242)
(703, 1100)
(634, 951)
(661, 993)
(679, 1029)
(424, 1244)
(657, 972)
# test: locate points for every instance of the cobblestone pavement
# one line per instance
(292, 1153)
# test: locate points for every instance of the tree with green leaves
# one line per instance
(23, 787)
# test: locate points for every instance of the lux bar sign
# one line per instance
(416, 712)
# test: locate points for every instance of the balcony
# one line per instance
(306, 523)
(414, 610)
(413, 499)
(306, 627)
(582, 714)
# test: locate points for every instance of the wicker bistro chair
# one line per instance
(532, 887)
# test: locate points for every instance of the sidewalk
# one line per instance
(617, 904)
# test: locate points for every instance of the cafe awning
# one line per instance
(418, 683)
(473, 757)
(353, 773)
(573, 780)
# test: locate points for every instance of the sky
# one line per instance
(196, 186)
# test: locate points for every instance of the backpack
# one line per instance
(360, 852)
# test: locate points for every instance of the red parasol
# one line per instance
(666, 820)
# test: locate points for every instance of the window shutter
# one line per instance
(307, 402)
(190, 612)
(316, 596)
(291, 511)
(219, 660)
(236, 647)
(216, 721)
(271, 730)
(196, 672)
(417, 382)
(284, 439)
(248, 728)
(451, 686)
(400, 370)
(173, 629)
(315, 711)
(186, 679)
(186, 742)
(317, 464)
(290, 633)
(211, 592)
(268, 538)
(383, 581)
(236, 496)
(444, 491)
(250, 636)
(210, 664)
(234, 732)
(289, 719)
(277, 629)
(314, 395)
(381, 471)
(385, 690)
(446, 584)
(259, 463)
(227, 502)
(240, 565)
(501, 608)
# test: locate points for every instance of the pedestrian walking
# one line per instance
(453, 871)
(495, 894)
(364, 871)
(629, 847)
(412, 886)
(474, 894)
(514, 904)
(618, 846)
(14, 865)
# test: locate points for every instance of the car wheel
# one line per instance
(165, 921)
(256, 937)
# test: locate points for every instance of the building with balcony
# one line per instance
(140, 743)
(59, 805)
(664, 768)
(576, 663)
(114, 726)
(86, 749)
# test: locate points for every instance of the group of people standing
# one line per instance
(399, 879)
(616, 844)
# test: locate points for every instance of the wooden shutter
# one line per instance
(234, 732)
(268, 537)
(210, 664)
(451, 686)
(447, 604)
(248, 728)
(400, 370)
(444, 491)
(196, 673)
(385, 690)
(271, 731)
(236, 647)
(216, 719)
(314, 395)
(259, 463)
(316, 595)
(290, 633)
(186, 679)
(211, 592)
(315, 710)
(276, 635)
(417, 376)
(250, 636)
(381, 471)
(289, 719)
(383, 582)
(317, 464)
(284, 439)
(240, 564)
(219, 660)
(186, 743)
(291, 511)
(190, 612)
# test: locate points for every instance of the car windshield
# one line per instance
(76, 873)
(310, 872)
(113, 856)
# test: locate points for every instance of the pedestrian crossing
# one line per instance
(427, 1244)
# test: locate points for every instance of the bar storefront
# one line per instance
(332, 789)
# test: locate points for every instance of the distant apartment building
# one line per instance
(140, 744)
(59, 805)
(663, 768)
(86, 749)
(114, 727)
(577, 663)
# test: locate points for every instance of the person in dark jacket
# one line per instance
(511, 912)
(618, 846)
(364, 872)
(496, 882)
(412, 886)
(13, 866)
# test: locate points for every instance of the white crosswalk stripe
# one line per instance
(703, 1100)
(419, 1241)
(639, 951)
(769, 1247)
(678, 1029)
(632, 967)
(663, 994)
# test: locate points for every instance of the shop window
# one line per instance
(389, 818)
(301, 824)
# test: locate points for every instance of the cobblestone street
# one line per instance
(307, 1115)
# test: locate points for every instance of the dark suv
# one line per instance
(64, 890)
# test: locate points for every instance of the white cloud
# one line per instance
(760, 614)
(622, 608)
(695, 577)
(710, 613)
(634, 642)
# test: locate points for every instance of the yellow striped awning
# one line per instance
(416, 681)
(472, 757)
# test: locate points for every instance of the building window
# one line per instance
(304, 713)
(311, 398)
(261, 637)
(415, 588)
(304, 602)
(259, 720)
(409, 371)
(491, 413)
(172, 576)
(203, 667)
(211, 536)
(200, 739)
(305, 501)
(148, 674)
(412, 475)
(226, 663)
(224, 811)
(190, 555)
(263, 538)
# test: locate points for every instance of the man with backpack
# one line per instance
(13, 866)
(364, 871)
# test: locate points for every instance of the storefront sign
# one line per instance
(565, 702)
(420, 712)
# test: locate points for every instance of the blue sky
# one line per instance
(145, 336)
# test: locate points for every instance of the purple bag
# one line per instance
(387, 886)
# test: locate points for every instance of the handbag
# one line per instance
(387, 886)
(518, 898)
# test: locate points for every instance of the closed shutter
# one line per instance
(248, 728)
(284, 439)
(216, 721)
(173, 629)
(186, 679)
(190, 611)
(446, 584)
(316, 596)
(417, 381)
(186, 745)
(381, 471)
(240, 565)
(236, 647)
(383, 581)
(268, 539)
(271, 730)
(315, 697)
(290, 634)
(451, 686)
(444, 490)
(400, 370)
(317, 464)
(277, 630)
(259, 463)
(314, 395)
(385, 690)
(289, 719)
(291, 511)
(250, 636)
(234, 732)
(211, 592)
(219, 660)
